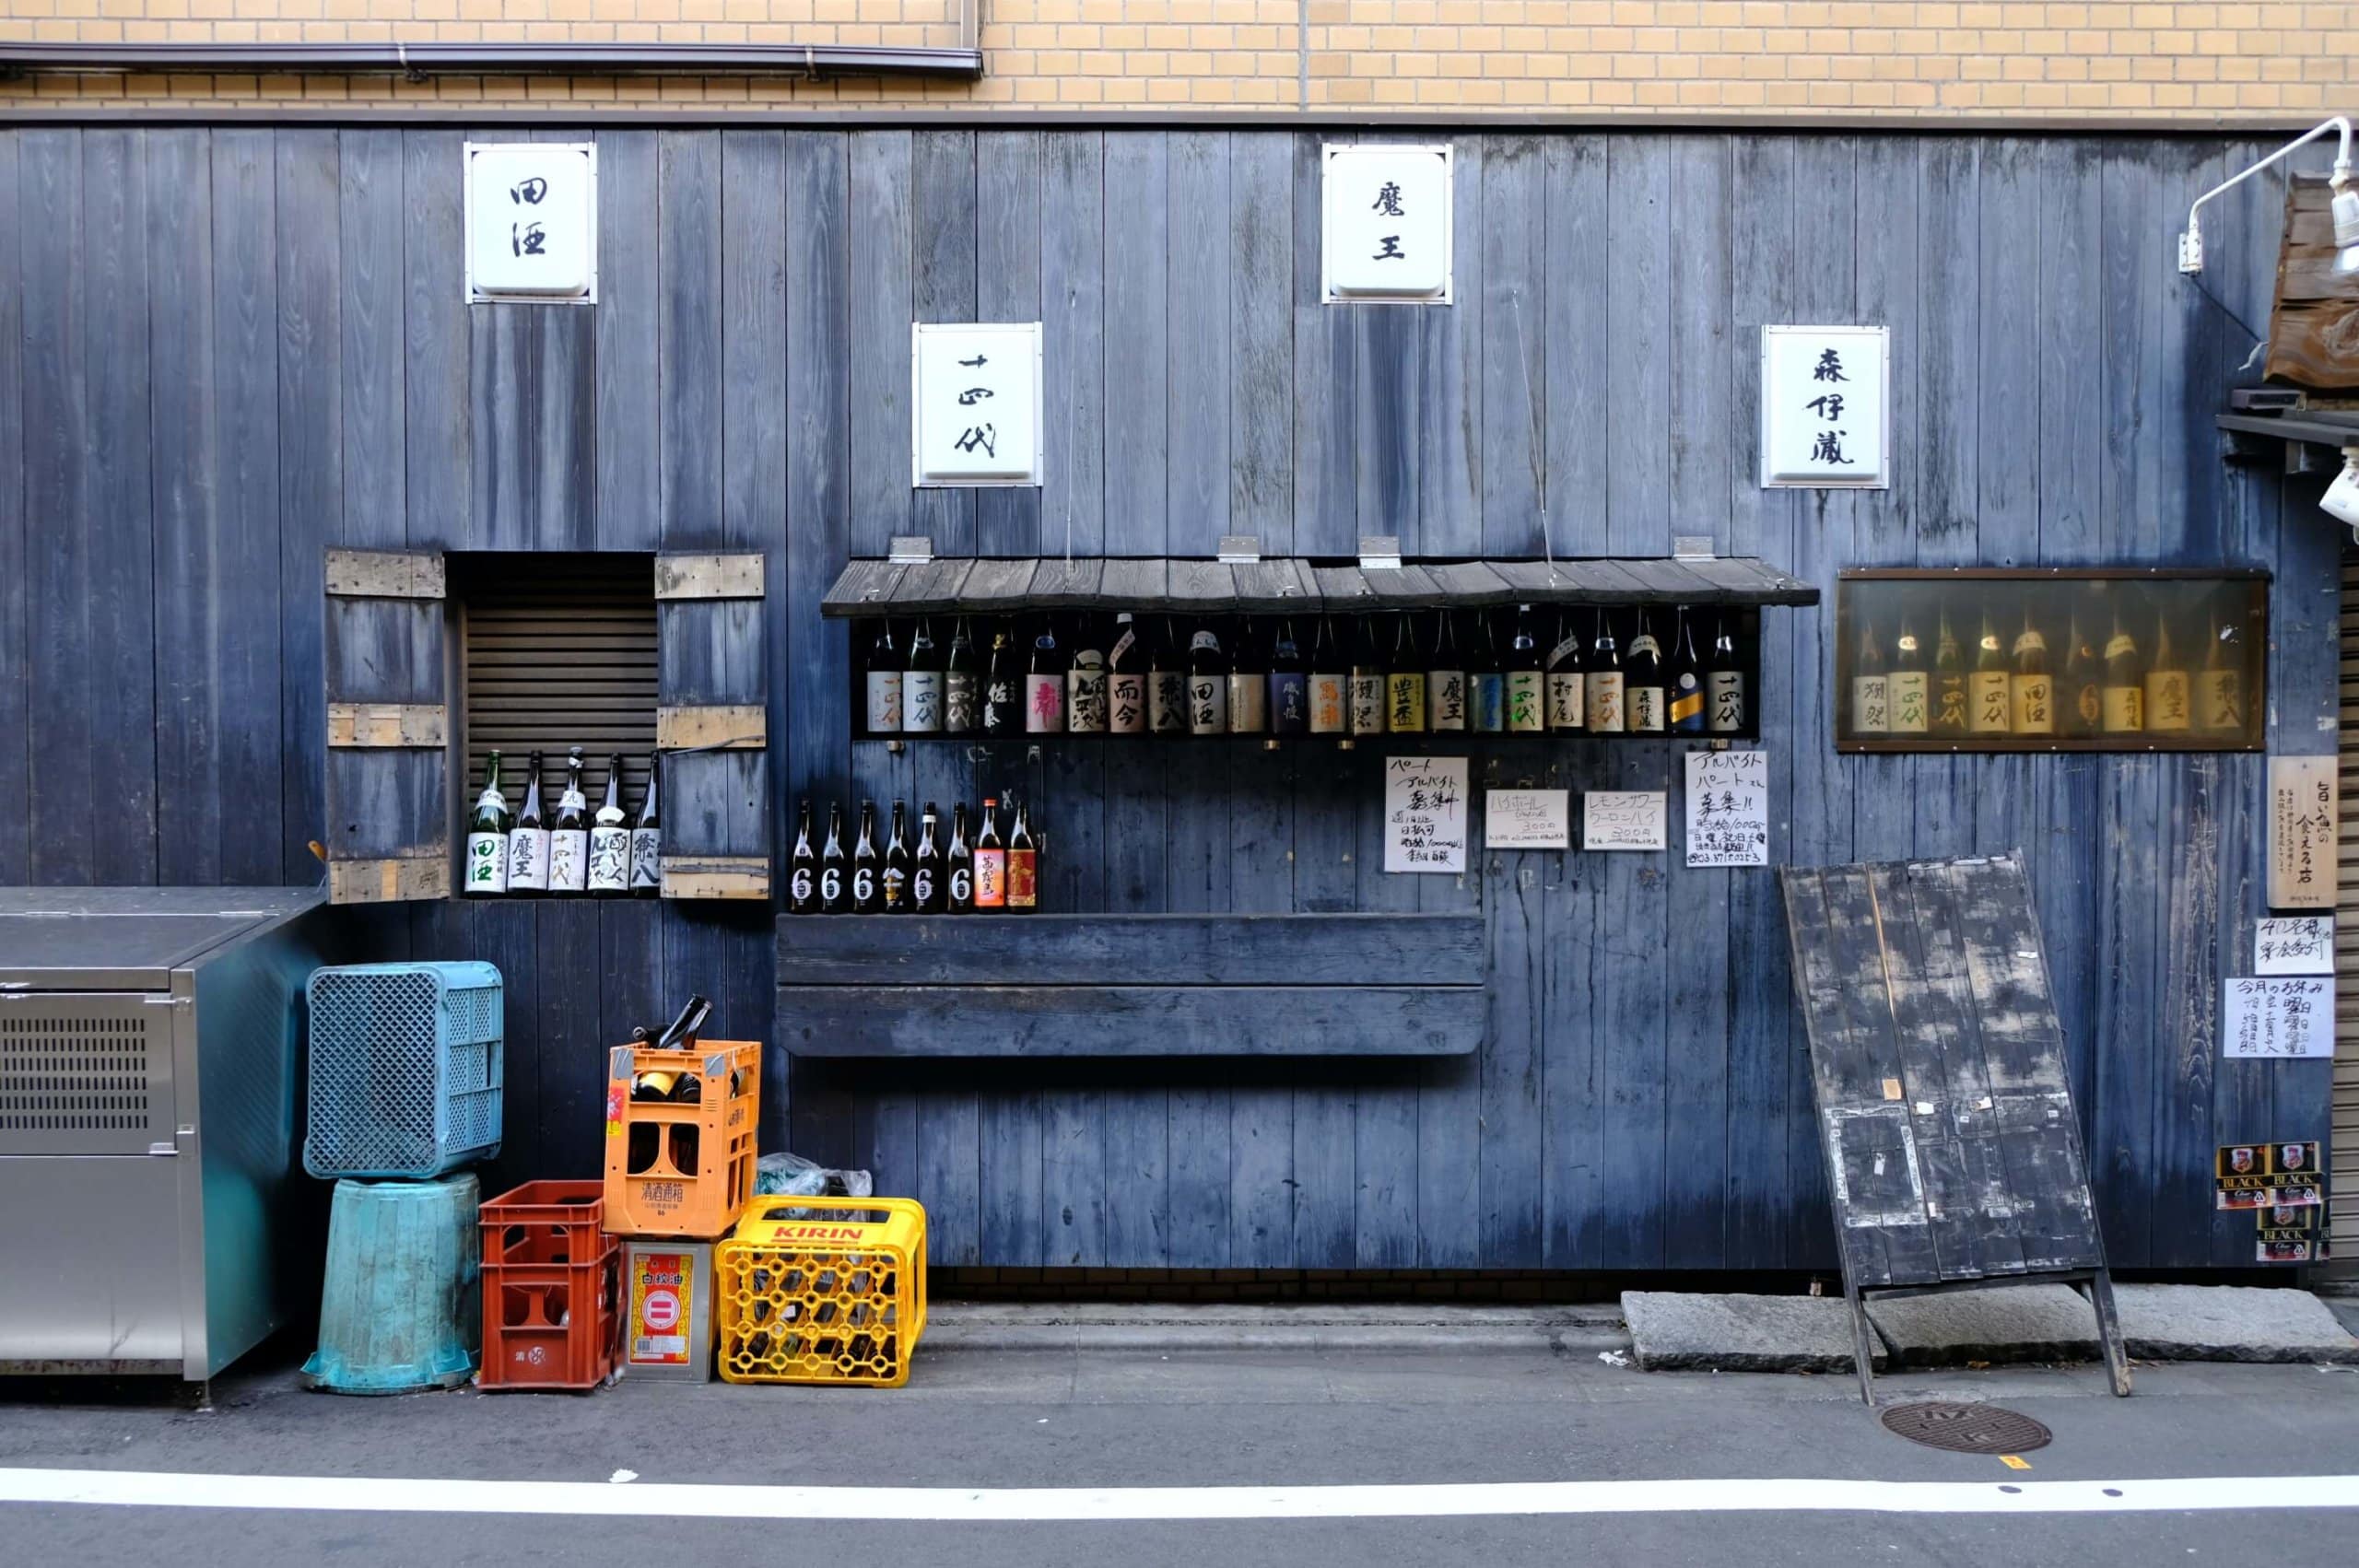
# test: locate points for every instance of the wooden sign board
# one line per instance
(2303, 813)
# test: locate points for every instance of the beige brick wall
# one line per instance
(2270, 59)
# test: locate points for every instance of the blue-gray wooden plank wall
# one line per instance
(222, 350)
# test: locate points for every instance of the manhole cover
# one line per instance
(1966, 1428)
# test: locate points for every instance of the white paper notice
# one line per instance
(2300, 946)
(1424, 813)
(1728, 808)
(2278, 1018)
(1527, 819)
(1623, 819)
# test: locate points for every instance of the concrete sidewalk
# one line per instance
(1675, 1330)
(953, 1328)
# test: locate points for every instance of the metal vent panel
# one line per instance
(83, 1074)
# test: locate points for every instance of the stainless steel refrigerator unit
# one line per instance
(154, 1217)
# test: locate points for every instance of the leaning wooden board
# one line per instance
(1952, 1146)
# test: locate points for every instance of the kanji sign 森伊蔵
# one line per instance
(1824, 401)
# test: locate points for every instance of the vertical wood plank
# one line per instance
(1514, 1161)
(1637, 345)
(1261, 360)
(1137, 375)
(373, 206)
(117, 500)
(1514, 343)
(311, 483)
(631, 407)
(436, 450)
(689, 345)
(16, 616)
(246, 415)
(1577, 387)
(879, 340)
(1070, 515)
(1326, 485)
(1010, 286)
(185, 485)
(1198, 328)
(942, 187)
(753, 366)
(64, 785)
(1449, 398)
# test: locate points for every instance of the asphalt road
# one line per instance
(1197, 1419)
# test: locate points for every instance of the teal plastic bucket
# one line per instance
(401, 1309)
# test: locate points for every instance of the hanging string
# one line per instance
(1539, 454)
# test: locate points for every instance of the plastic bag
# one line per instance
(791, 1175)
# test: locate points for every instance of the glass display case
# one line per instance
(2081, 659)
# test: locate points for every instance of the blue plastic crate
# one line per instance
(405, 1068)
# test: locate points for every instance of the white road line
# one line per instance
(162, 1489)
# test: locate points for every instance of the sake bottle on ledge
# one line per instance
(2220, 690)
(1207, 688)
(926, 886)
(1003, 713)
(1126, 678)
(2169, 706)
(1726, 681)
(1486, 679)
(1329, 687)
(1990, 685)
(2080, 700)
(1405, 685)
(893, 877)
(528, 841)
(1044, 685)
(1248, 685)
(802, 867)
(1167, 683)
(961, 682)
(867, 888)
(835, 892)
(990, 860)
(1085, 683)
(1642, 681)
(1369, 698)
(647, 835)
(884, 681)
(1605, 709)
(921, 682)
(1568, 703)
(1686, 688)
(1445, 679)
(2032, 687)
(487, 835)
(2123, 705)
(1527, 684)
(1289, 683)
(1910, 685)
(1952, 701)
(1870, 685)
(958, 867)
(569, 840)
(610, 839)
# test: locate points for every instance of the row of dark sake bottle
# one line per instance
(957, 876)
(2022, 690)
(1403, 683)
(527, 852)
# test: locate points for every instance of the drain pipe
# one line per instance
(420, 61)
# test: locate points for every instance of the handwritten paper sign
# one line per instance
(1728, 808)
(2302, 811)
(1623, 819)
(1424, 813)
(2278, 1019)
(2298, 945)
(1527, 819)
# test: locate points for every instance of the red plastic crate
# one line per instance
(552, 1289)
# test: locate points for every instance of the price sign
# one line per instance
(1424, 813)
(1623, 819)
(1527, 819)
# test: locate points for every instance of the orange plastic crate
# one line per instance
(552, 1279)
(682, 1170)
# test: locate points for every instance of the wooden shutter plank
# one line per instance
(388, 724)
(712, 726)
(385, 574)
(709, 576)
(713, 682)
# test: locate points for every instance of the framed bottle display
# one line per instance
(2080, 659)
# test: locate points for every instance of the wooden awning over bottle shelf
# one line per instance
(1274, 587)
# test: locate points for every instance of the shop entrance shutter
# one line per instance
(2344, 1192)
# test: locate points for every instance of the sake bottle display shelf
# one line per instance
(1131, 985)
(2050, 660)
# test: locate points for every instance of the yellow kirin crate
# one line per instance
(806, 1297)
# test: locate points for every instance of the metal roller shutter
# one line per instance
(560, 650)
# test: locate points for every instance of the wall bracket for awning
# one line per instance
(997, 587)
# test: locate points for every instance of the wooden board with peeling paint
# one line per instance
(1953, 1152)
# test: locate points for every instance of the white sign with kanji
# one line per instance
(975, 404)
(532, 222)
(1824, 409)
(1385, 225)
